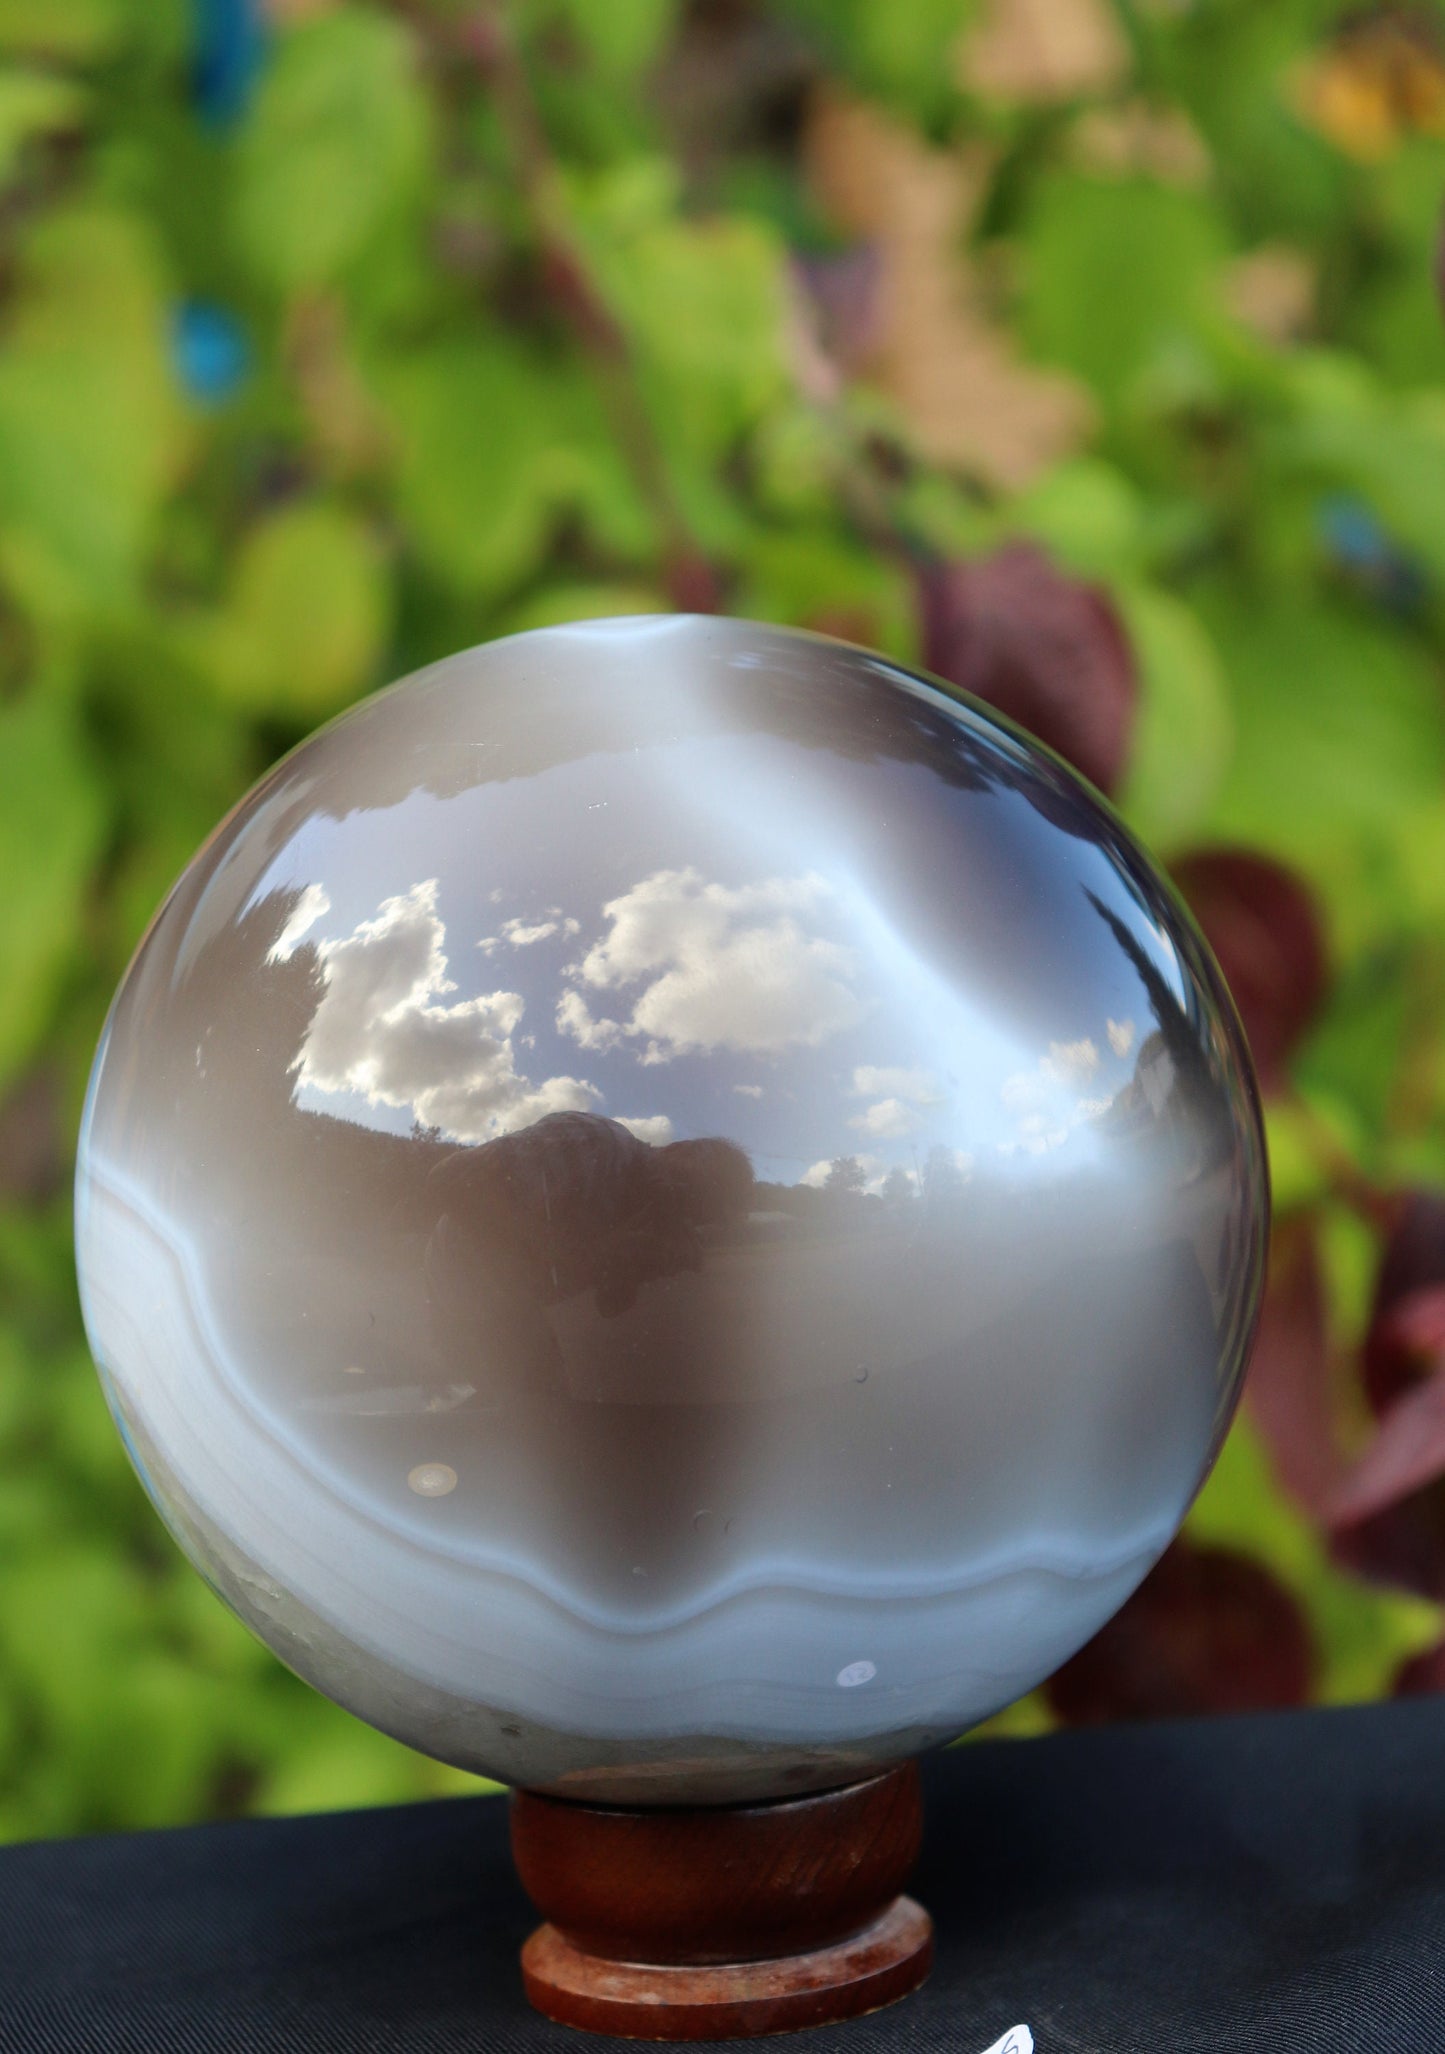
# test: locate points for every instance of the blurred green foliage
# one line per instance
(335, 341)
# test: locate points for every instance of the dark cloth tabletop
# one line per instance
(1273, 1882)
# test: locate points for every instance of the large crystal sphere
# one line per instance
(672, 1212)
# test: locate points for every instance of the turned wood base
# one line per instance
(713, 1924)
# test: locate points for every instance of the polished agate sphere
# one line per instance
(672, 1212)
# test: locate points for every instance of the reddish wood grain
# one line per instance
(710, 1923)
(731, 2001)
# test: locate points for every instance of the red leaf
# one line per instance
(1388, 1515)
(1404, 1545)
(1413, 1261)
(1207, 1631)
(1423, 1675)
(1288, 1391)
(1407, 1453)
(692, 583)
(1415, 1252)
(1045, 649)
(1260, 920)
(32, 1138)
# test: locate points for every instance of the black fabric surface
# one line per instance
(1267, 1883)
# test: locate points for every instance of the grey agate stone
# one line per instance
(672, 1212)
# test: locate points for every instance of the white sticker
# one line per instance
(1017, 2040)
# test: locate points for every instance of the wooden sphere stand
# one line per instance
(715, 1924)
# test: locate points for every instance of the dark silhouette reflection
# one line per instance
(465, 1251)
(928, 722)
(1178, 1090)
(573, 1206)
(1185, 1092)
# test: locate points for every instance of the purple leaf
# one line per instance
(1414, 1260)
(1208, 1630)
(1288, 1392)
(1045, 649)
(1260, 920)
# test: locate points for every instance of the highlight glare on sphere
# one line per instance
(671, 1212)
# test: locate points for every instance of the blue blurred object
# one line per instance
(212, 354)
(230, 49)
(1368, 556)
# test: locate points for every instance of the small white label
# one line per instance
(852, 1676)
(1017, 2040)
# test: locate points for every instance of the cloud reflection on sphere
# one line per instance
(671, 1212)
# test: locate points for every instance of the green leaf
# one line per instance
(625, 36)
(73, 29)
(495, 444)
(1086, 513)
(907, 53)
(478, 463)
(558, 604)
(1351, 1249)
(16, 1392)
(52, 819)
(1297, 1174)
(1184, 730)
(1339, 721)
(91, 431)
(1119, 275)
(309, 613)
(818, 580)
(1393, 314)
(901, 53)
(1352, 1057)
(1420, 845)
(34, 103)
(67, 1614)
(795, 456)
(705, 304)
(148, 1746)
(335, 147)
(83, 1444)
